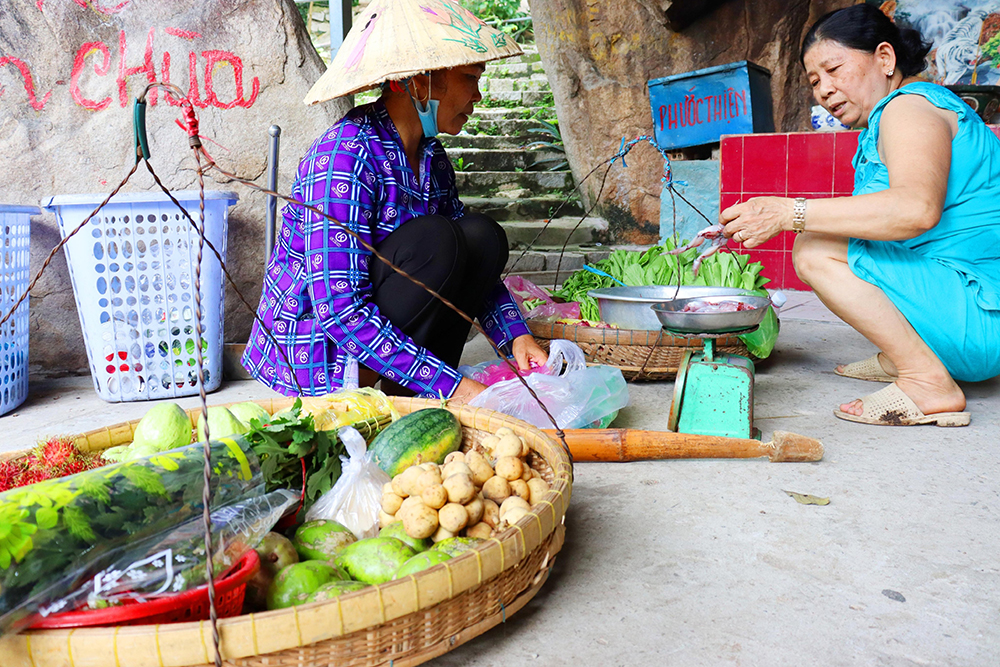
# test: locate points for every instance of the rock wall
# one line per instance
(599, 55)
(69, 70)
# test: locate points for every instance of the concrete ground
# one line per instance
(709, 562)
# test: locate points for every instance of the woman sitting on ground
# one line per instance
(338, 314)
(912, 259)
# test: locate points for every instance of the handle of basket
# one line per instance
(139, 139)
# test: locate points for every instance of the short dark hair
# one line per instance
(863, 27)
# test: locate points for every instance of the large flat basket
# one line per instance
(404, 622)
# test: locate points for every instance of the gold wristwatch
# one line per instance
(799, 215)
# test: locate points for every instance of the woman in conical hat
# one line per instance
(340, 315)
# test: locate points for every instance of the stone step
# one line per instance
(541, 236)
(509, 159)
(493, 87)
(540, 265)
(523, 97)
(483, 141)
(524, 208)
(507, 68)
(524, 113)
(524, 183)
(500, 125)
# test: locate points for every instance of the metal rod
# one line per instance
(272, 185)
(340, 24)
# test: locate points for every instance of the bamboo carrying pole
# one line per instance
(623, 444)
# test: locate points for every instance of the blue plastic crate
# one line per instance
(698, 107)
(15, 237)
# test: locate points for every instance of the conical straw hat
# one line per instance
(395, 39)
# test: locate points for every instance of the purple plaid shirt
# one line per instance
(316, 294)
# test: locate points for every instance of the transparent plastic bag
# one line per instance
(62, 532)
(577, 395)
(356, 498)
(175, 562)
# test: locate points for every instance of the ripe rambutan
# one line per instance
(56, 452)
(76, 466)
(10, 474)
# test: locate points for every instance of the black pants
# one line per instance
(459, 259)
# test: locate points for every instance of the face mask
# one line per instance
(427, 112)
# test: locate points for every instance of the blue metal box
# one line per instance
(699, 107)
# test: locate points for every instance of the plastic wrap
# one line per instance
(175, 562)
(577, 395)
(356, 498)
(347, 406)
(59, 534)
(536, 304)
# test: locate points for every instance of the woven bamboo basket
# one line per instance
(639, 354)
(400, 623)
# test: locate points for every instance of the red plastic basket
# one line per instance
(187, 606)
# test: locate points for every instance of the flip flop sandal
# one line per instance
(869, 369)
(891, 407)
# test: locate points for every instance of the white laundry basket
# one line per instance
(132, 268)
(15, 235)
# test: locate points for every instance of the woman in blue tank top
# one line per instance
(912, 259)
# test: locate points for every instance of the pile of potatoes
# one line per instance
(475, 494)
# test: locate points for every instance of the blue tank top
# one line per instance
(967, 239)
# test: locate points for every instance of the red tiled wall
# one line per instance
(814, 165)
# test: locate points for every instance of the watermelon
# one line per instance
(423, 436)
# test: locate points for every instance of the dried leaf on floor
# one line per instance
(807, 499)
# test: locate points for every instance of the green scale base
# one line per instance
(713, 394)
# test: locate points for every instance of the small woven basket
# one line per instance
(640, 355)
(400, 623)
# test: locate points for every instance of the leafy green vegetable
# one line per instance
(289, 439)
(654, 267)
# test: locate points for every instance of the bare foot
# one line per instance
(888, 367)
(931, 396)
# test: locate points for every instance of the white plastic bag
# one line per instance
(579, 396)
(356, 498)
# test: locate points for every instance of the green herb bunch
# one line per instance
(289, 447)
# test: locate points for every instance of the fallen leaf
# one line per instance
(806, 499)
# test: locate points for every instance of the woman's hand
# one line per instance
(467, 390)
(527, 350)
(757, 220)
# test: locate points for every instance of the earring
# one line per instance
(890, 72)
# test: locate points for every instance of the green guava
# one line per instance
(322, 539)
(421, 562)
(249, 410)
(115, 454)
(333, 589)
(164, 426)
(374, 560)
(396, 529)
(454, 546)
(276, 553)
(221, 424)
(298, 581)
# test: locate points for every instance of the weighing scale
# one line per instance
(713, 393)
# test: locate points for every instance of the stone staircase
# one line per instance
(496, 176)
